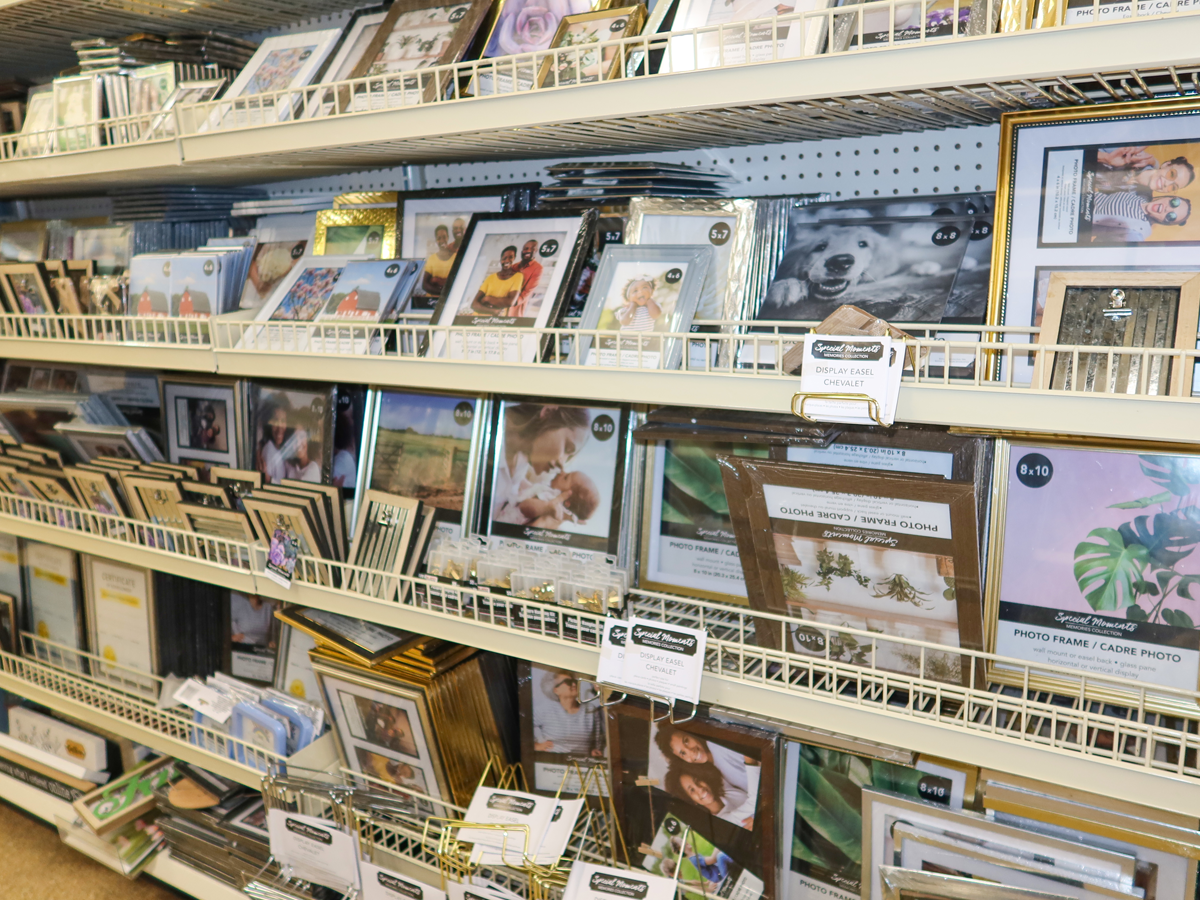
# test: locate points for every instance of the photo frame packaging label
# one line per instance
(196, 695)
(845, 364)
(589, 881)
(883, 459)
(529, 815)
(612, 651)
(1094, 530)
(313, 849)
(379, 883)
(662, 661)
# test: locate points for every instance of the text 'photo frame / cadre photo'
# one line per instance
(823, 542)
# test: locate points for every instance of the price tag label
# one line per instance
(313, 849)
(663, 660)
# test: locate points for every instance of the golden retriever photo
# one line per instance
(901, 271)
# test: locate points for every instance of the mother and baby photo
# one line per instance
(555, 470)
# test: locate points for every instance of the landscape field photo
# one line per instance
(423, 447)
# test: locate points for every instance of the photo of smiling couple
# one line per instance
(697, 770)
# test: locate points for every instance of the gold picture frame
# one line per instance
(1028, 476)
(1026, 214)
(35, 286)
(371, 219)
(1124, 367)
(624, 21)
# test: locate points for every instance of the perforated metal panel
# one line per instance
(928, 162)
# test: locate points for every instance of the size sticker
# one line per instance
(664, 660)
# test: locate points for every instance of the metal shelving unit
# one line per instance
(1145, 749)
(902, 87)
(163, 867)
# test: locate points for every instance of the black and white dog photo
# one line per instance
(901, 271)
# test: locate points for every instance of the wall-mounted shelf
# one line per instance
(908, 86)
(1149, 759)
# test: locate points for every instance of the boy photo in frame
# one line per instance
(514, 271)
(558, 473)
(202, 421)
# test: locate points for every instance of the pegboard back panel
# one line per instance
(925, 162)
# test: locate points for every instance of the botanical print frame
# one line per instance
(121, 617)
(843, 531)
(383, 728)
(1122, 325)
(726, 225)
(444, 431)
(402, 28)
(1111, 147)
(26, 289)
(688, 544)
(425, 214)
(656, 764)
(356, 232)
(557, 475)
(1114, 544)
(514, 33)
(642, 289)
(562, 69)
(202, 421)
(525, 245)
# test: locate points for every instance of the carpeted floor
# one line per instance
(38, 866)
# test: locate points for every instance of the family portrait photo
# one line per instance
(380, 723)
(439, 236)
(510, 276)
(1131, 194)
(555, 471)
(719, 779)
(288, 434)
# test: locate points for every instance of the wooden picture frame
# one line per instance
(1051, 370)
(465, 32)
(648, 786)
(128, 798)
(34, 289)
(809, 525)
(624, 21)
(95, 491)
(214, 522)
